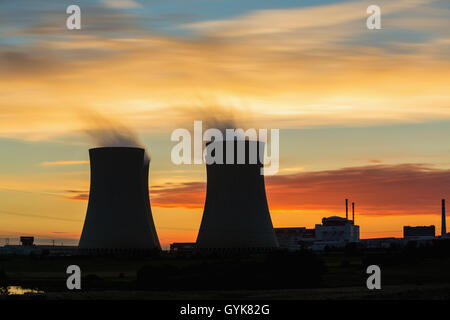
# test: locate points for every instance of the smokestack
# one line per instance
(119, 215)
(346, 209)
(443, 224)
(236, 214)
(353, 212)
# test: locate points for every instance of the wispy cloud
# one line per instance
(287, 68)
(289, 20)
(185, 195)
(62, 163)
(121, 4)
(36, 216)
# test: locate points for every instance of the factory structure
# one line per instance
(235, 219)
(337, 232)
(334, 232)
(27, 248)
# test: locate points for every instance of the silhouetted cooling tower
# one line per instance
(236, 214)
(119, 215)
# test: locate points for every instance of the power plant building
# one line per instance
(419, 233)
(295, 238)
(337, 229)
(119, 217)
(333, 232)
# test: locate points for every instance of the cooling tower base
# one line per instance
(233, 251)
(119, 252)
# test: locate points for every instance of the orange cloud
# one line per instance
(378, 190)
(405, 189)
(186, 195)
(189, 195)
(78, 195)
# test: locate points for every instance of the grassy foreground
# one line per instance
(412, 273)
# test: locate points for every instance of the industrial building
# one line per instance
(38, 250)
(182, 247)
(28, 247)
(119, 217)
(26, 240)
(426, 233)
(236, 214)
(419, 233)
(383, 243)
(337, 229)
(295, 238)
(333, 232)
(414, 233)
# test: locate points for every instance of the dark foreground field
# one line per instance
(411, 273)
(433, 291)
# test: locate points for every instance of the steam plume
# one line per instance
(105, 132)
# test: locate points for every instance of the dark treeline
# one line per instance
(412, 264)
(411, 254)
(274, 271)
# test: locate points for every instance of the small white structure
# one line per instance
(337, 229)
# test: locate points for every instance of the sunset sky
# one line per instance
(363, 114)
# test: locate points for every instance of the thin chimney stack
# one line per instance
(353, 212)
(443, 225)
(346, 209)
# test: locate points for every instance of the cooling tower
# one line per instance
(236, 215)
(119, 217)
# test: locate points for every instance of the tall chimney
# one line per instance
(353, 212)
(346, 209)
(443, 226)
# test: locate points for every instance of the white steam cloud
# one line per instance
(105, 132)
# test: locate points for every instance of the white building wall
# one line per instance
(346, 232)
